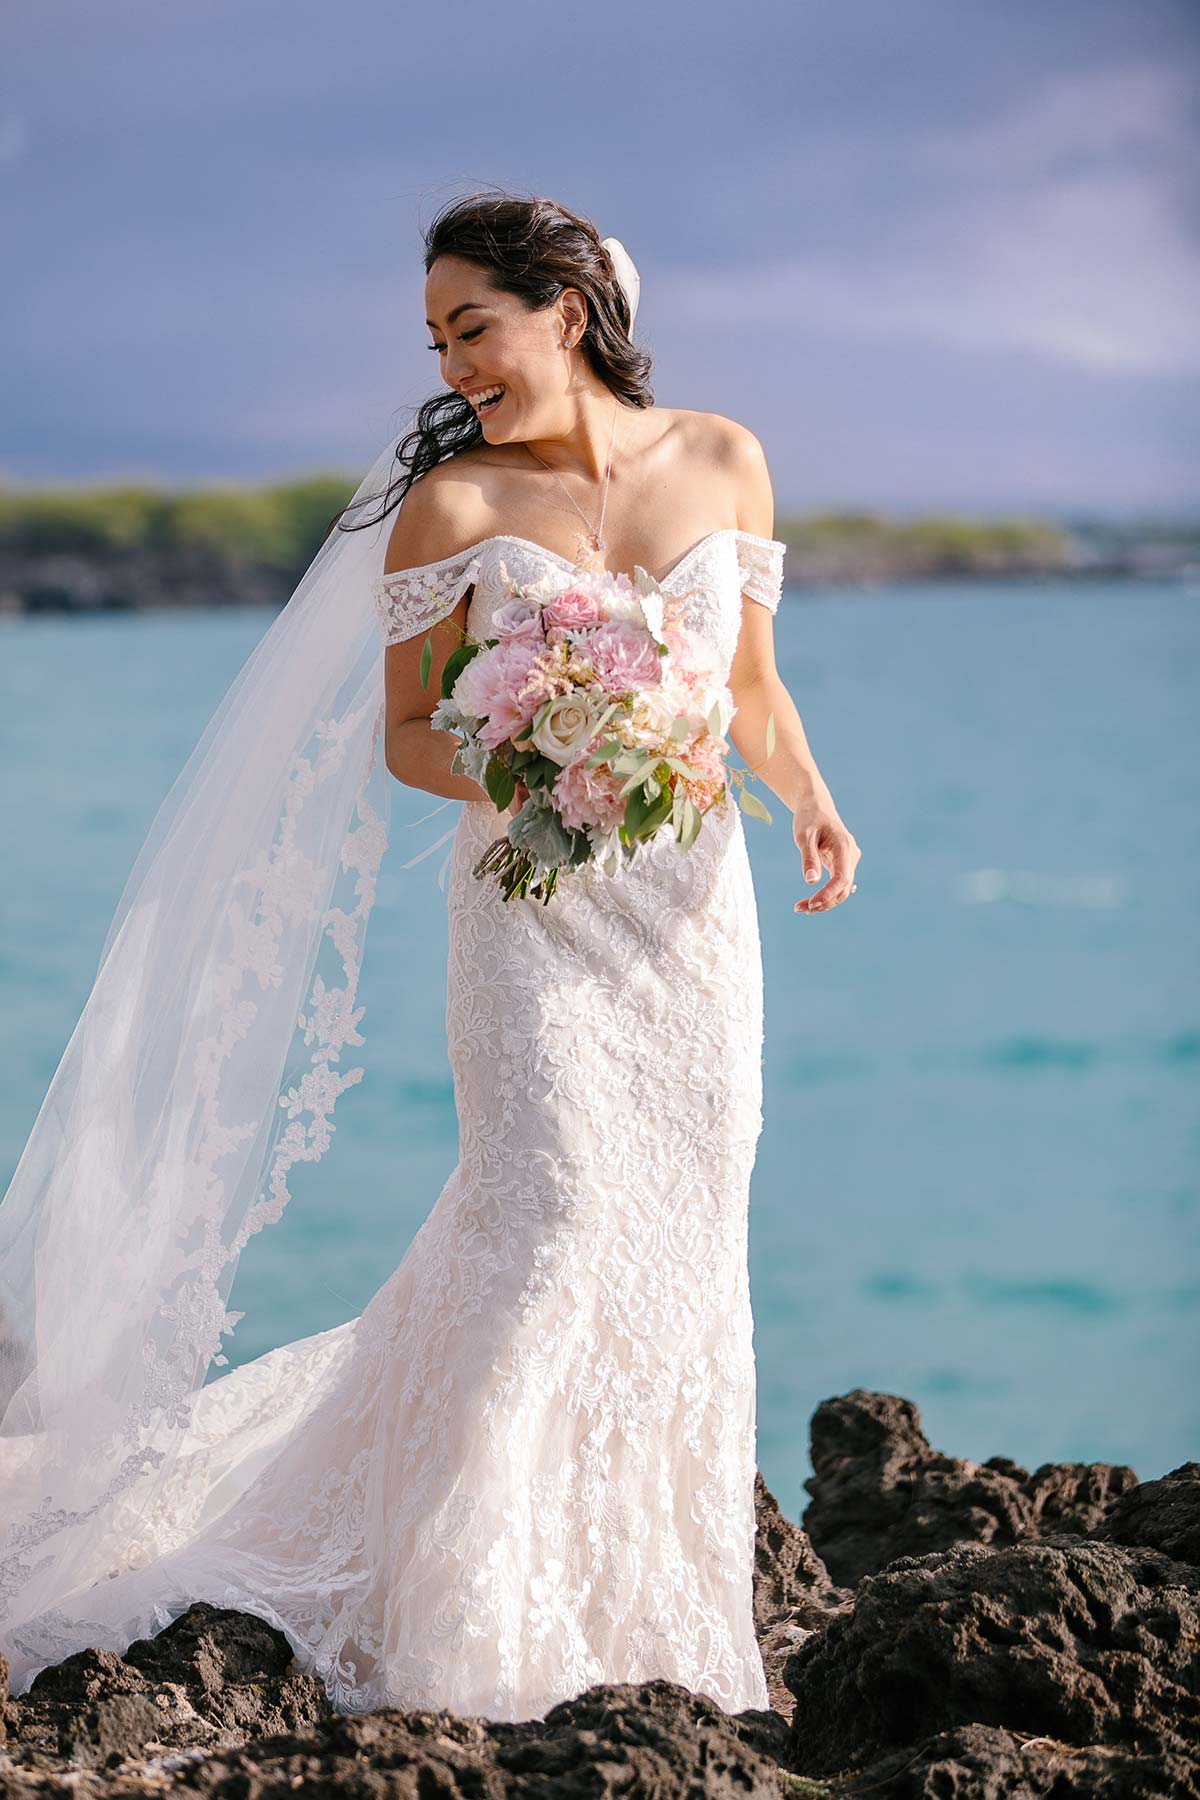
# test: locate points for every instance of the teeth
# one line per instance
(483, 396)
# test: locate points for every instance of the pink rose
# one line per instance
(624, 656)
(573, 610)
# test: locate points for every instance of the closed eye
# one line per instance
(463, 336)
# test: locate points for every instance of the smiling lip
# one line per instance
(490, 406)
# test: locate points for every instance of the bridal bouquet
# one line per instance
(613, 721)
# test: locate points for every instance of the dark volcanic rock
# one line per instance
(211, 1678)
(983, 1762)
(1042, 1640)
(111, 1732)
(1164, 1514)
(654, 1740)
(1089, 1643)
(793, 1595)
(880, 1491)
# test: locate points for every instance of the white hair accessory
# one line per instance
(626, 273)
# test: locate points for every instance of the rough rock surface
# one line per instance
(880, 1491)
(999, 1635)
(1087, 1643)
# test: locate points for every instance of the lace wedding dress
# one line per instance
(529, 1465)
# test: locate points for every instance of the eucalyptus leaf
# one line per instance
(714, 719)
(635, 780)
(753, 806)
(679, 727)
(691, 823)
(770, 734)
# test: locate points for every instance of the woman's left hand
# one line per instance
(520, 796)
(822, 839)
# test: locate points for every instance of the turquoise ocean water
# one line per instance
(979, 1178)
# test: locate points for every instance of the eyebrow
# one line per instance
(467, 306)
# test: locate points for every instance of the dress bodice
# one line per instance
(704, 587)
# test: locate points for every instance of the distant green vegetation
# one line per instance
(149, 534)
(832, 543)
(282, 525)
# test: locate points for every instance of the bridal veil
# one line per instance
(207, 1062)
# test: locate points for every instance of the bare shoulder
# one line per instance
(439, 516)
(734, 452)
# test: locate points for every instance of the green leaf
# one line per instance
(636, 779)
(500, 782)
(770, 734)
(714, 719)
(753, 806)
(679, 727)
(691, 823)
(456, 662)
(603, 752)
(426, 660)
(642, 816)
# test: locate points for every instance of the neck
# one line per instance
(583, 447)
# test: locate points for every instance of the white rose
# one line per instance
(565, 728)
(654, 709)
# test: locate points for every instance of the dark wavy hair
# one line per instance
(532, 247)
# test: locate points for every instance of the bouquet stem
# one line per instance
(515, 869)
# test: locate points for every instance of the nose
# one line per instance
(458, 368)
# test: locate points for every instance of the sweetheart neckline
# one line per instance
(510, 537)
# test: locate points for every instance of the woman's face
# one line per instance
(486, 339)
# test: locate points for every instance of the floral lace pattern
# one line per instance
(411, 600)
(529, 1465)
(283, 890)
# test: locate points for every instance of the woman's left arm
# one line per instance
(758, 691)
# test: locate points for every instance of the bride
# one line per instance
(528, 1466)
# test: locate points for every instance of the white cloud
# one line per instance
(1046, 232)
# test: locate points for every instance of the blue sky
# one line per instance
(933, 253)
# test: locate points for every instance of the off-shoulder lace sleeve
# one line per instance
(761, 563)
(411, 600)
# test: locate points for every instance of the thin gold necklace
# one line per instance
(587, 551)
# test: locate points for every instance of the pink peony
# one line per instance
(624, 657)
(490, 688)
(573, 610)
(584, 796)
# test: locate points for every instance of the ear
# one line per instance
(573, 309)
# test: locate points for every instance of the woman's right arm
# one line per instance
(428, 527)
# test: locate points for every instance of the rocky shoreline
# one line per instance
(91, 579)
(938, 1629)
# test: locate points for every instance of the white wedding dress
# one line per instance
(529, 1465)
